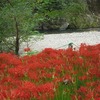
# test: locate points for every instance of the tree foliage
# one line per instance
(56, 12)
(16, 21)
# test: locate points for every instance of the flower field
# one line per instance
(52, 75)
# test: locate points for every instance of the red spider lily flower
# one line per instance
(68, 77)
(33, 76)
(20, 93)
(58, 69)
(82, 90)
(98, 98)
(48, 87)
(18, 71)
(94, 72)
(27, 49)
(98, 88)
(84, 77)
(46, 90)
(29, 85)
(90, 95)
(31, 88)
(43, 97)
(3, 66)
(3, 95)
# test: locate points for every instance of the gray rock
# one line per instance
(64, 26)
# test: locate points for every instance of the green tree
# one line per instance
(16, 23)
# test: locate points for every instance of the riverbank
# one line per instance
(61, 41)
(70, 31)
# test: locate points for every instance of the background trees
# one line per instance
(52, 12)
(55, 13)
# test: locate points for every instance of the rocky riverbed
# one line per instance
(61, 41)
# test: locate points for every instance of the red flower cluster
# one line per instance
(27, 49)
(40, 76)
